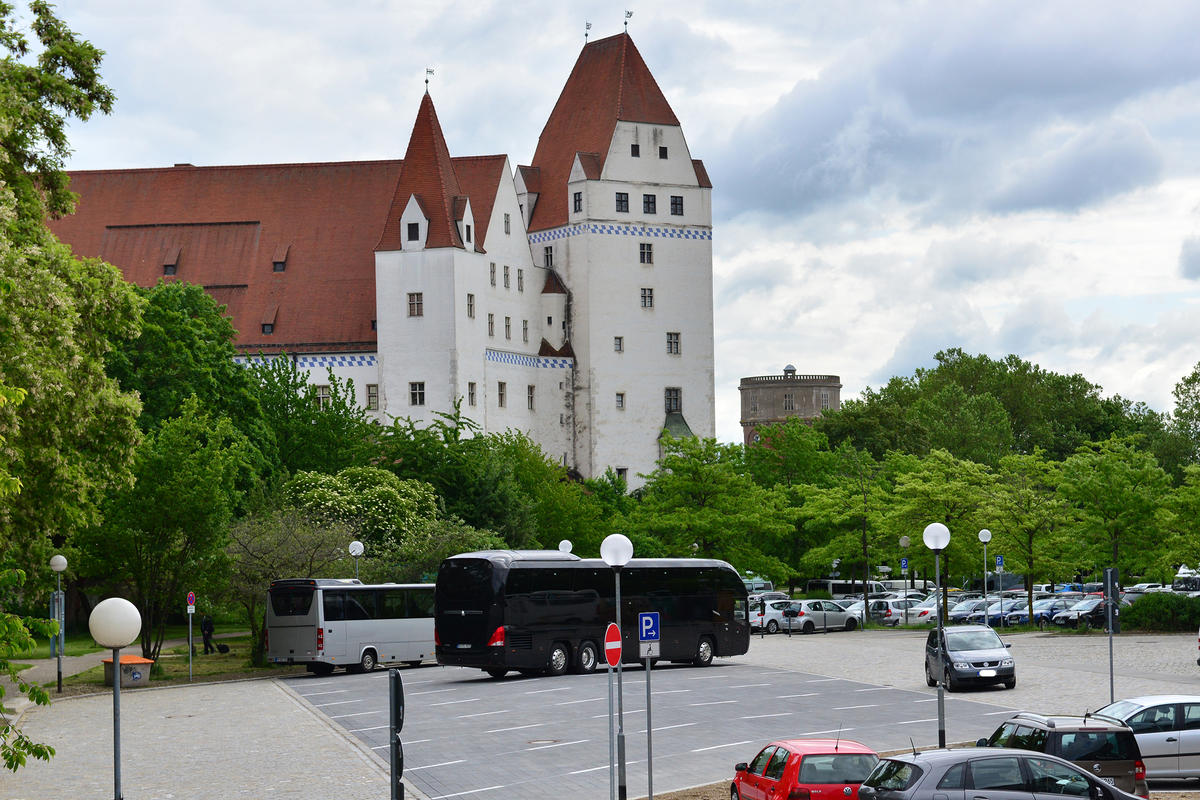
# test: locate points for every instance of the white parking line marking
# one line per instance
(831, 730)
(435, 691)
(543, 691)
(667, 728)
(338, 703)
(930, 700)
(995, 713)
(627, 711)
(520, 727)
(822, 680)
(876, 689)
(430, 766)
(589, 769)
(374, 728)
(746, 685)
(419, 741)
(358, 714)
(719, 746)
(331, 691)
(671, 691)
(708, 677)
(915, 721)
(584, 700)
(455, 702)
(713, 703)
(806, 694)
(847, 708)
(774, 672)
(763, 716)
(469, 791)
(558, 744)
(482, 714)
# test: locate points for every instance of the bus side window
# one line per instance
(393, 604)
(420, 603)
(360, 605)
(334, 606)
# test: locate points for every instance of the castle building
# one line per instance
(770, 399)
(570, 299)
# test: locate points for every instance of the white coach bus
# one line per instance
(325, 623)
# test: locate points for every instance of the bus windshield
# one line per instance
(465, 583)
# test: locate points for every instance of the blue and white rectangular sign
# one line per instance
(648, 630)
(904, 563)
(999, 561)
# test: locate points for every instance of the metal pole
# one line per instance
(62, 619)
(649, 746)
(621, 787)
(986, 620)
(1111, 683)
(395, 724)
(941, 696)
(117, 723)
(191, 647)
(612, 755)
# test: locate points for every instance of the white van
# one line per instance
(838, 589)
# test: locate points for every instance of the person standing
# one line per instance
(206, 630)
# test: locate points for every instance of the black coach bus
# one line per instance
(545, 611)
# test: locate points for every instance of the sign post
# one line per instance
(395, 724)
(904, 572)
(191, 609)
(612, 657)
(1112, 596)
(649, 635)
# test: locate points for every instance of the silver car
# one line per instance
(1167, 728)
(814, 615)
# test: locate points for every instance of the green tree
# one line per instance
(170, 527)
(790, 453)
(417, 558)
(311, 434)
(971, 427)
(1118, 491)
(1182, 545)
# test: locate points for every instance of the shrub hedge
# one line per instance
(1162, 611)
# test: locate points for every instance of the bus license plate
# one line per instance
(987, 673)
(463, 646)
(1109, 781)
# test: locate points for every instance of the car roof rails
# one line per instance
(1042, 718)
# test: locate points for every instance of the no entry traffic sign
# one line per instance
(612, 644)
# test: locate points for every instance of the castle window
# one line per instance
(623, 201)
(468, 233)
(525, 330)
(414, 231)
(622, 472)
(506, 280)
(278, 266)
(520, 279)
(620, 401)
(662, 152)
(374, 325)
(372, 396)
(649, 203)
(471, 393)
(168, 269)
(500, 392)
(529, 396)
(647, 298)
(491, 324)
(416, 304)
(618, 344)
(578, 202)
(322, 396)
(507, 224)
(416, 393)
(673, 343)
(677, 205)
(548, 257)
(470, 306)
(492, 269)
(673, 398)
(635, 150)
(508, 327)
(268, 327)
(789, 402)
(646, 252)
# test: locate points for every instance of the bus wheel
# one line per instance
(368, 662)
(496, 672)
(704, 652)
(585, 659)
(559, 659)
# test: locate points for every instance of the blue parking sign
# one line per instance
(648, 630)
(999, 561)
(904, 563)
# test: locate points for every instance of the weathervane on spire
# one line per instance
(628, 14)
(428, 75)
(587, 26)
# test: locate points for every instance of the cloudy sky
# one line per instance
(891, 179)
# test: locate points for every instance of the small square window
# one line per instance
(662, 152)
(620, 401)
(635, 150)
(649, 203)
(623, 473)
(470, 306)
(416, 304)
(549, 321)
(322, 396)
(268, 327)
(492, 273)
(673, 343)
(548, 257)
(372, 396)
(647, 298)
(507, 224)
(673, 397)
(471, 393)
(618, 344)
(529, 396)
(623, 201)
(416, 393)
(525, 330)
(646, 252)
(168, 269)
(414, 231)
(501, 388)
(278, 266)
(507, 283)
(677, 205)
(468, 233)
(520, 279)
(491, 324)
(577, 204)
(508, 327)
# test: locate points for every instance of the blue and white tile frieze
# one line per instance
(314, 362)
(641, 231)
(521, 360)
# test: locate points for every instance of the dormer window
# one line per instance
(268, 327)
(171, 261)
(414, 232)
(279, 260)
(635, 150)
(468, 233)
(278, 266)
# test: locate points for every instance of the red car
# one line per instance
(804, 769)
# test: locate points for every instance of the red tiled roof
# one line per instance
(553, 284)
(532, 177)
(479, 177)
(609, 82)
(428, 174)
(592, 164)
(701, 174)
(229, 223)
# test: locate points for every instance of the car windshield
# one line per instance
(965, 605)
(848, 768)
(972, 640)
(1042, 605)
(893, 776)
(1120, 709)
(1087, 605)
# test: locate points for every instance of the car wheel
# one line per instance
(496, 672)
(929, 679)
(1011, 683)
(704, 652)
(951, 682)
(851, 624)
(559, 659)
(772, 627)
(585, 660)
(808, 627)
(733, 793)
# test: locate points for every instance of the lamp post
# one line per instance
(985, 536)
(936, 536)
(616, 550)
(58, 564)
(356, 550)
(565, 546)
(114, 624)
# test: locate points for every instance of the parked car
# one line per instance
(1167, 729)
(925, 612)
(769, 615)
(768, 596)
(960, 611)
(811, 615)
(997, 611)
(1089, 613)
(1043, 611)
(804, 768)
(974, 655)
(1100, 743)
(982, 772)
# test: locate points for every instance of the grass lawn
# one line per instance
(77, 644)
(173, 662)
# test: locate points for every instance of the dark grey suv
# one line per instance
(974, 655)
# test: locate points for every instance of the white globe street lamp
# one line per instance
(617, 550)
(985, 536)
(356, 550)
(565, 546)
(114, 624)
(936, 536)
(58, 564)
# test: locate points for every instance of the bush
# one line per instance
(1162, 611)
